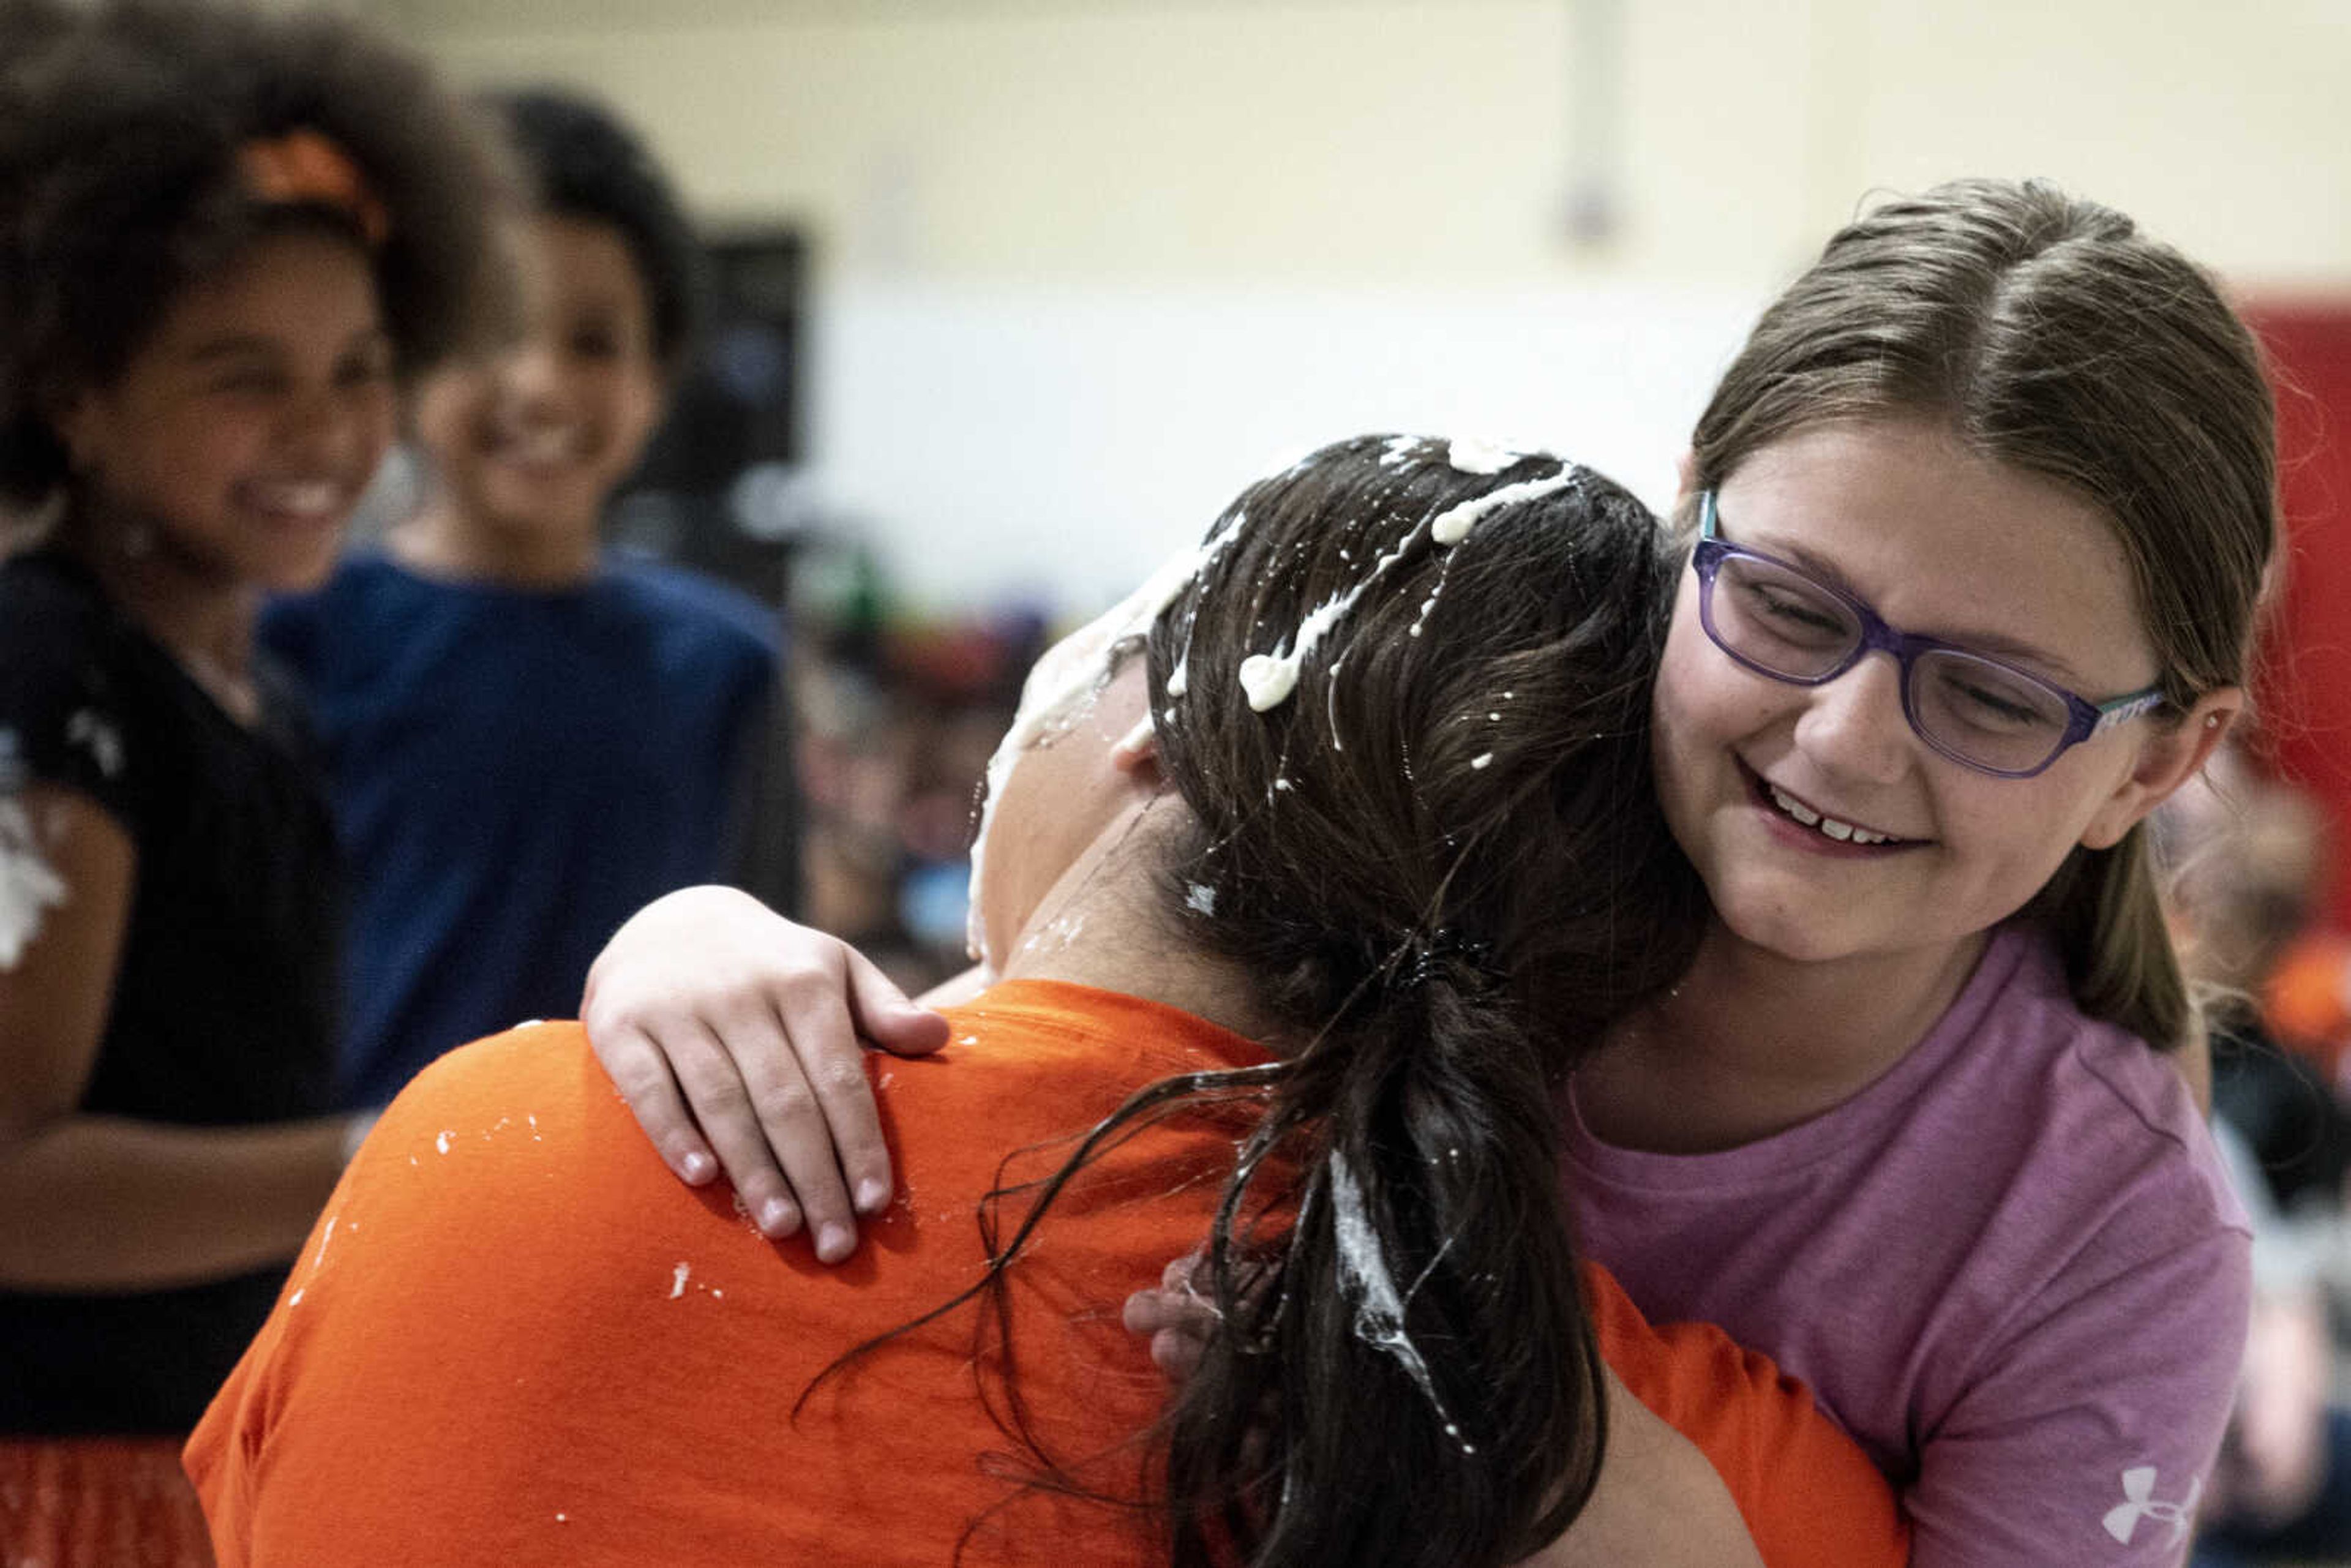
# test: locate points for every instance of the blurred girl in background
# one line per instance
(225, 238)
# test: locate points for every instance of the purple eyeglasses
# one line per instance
(1780, 620)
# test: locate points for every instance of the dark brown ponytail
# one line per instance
(1443, 855)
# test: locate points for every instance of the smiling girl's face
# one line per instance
(534, 442)
(248, 426)
(1942, 542)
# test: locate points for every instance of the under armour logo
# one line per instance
(2140, 1503)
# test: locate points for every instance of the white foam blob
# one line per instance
(1453, 525)
(1268, 680)
(1472, 455)
(29, 885)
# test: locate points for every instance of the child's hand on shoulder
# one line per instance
(737, 1037)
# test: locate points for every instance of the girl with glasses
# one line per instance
(1985, 506)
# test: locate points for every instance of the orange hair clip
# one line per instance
(304, 168)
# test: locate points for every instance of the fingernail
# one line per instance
(777, 1218)
(835, 1242)
(873, 1196)
(694, 1167)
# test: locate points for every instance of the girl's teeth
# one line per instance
(308, 499)
(1844, 833)
(1795, 808)
(543, 446)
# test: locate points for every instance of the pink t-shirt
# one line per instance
(2011, 1267)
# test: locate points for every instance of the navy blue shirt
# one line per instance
(514, 772)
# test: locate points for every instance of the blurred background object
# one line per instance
(2249, 861)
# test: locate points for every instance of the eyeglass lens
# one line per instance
(1978, 711)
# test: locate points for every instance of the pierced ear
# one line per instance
(2167, 760)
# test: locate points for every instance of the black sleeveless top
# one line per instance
(223, 1002)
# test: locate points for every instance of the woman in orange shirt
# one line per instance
(1284, 931)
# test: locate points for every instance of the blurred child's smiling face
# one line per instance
(534, 441)
(247, 425)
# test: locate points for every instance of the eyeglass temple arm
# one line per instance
(2122, 710)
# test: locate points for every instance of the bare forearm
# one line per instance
(1659, 1504)
(1668, 1527)
(106, 1203)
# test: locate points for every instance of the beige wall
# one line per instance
(1424, 139)
(1083, 263)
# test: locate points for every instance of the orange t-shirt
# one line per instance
(515, 1338)
(1810, 1496)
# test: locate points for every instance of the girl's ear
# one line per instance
(1136, 752)
(1134, 755)
(1686, 475)
(2168, 758)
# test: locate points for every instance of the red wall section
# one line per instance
(2306, 682)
